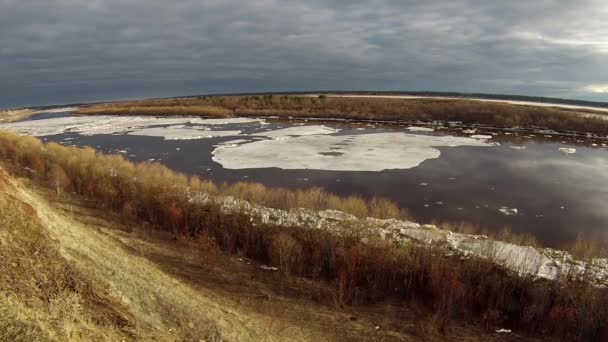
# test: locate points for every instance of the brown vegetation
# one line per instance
(42, 297)
(360, 108)
(14, 115)
(360, 273)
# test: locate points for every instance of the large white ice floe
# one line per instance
(182, 132)
(179, 127)
(296, 131)
(544, 263)
(360, 152)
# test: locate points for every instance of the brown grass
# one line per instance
(452, 288)
(14, 115)
(587, 248)
(42, 297)
(505, 234)
(466, 111)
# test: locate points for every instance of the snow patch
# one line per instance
(58, 110)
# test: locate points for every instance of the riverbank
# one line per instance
(465, 111)
(140, 284)
(361, 263)
(15, 115)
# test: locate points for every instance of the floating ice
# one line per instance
(296, 131)
(508, 211)
(566, 150)
(481, 136)
(420, 129)
(361, 152)
(182, 133)
(518, 147)
(133, 125)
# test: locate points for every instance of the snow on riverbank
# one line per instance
(542, 263)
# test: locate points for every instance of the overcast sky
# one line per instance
(59, 51)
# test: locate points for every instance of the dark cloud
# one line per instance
(54, 51)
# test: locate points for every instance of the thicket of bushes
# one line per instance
(360, 273)
(466, 111)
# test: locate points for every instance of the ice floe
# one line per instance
(296, 131)
(182, 133)
(361, 152)
(420, 129)
(481, 136)
(566, 150)
(508, 211)
(179, 127)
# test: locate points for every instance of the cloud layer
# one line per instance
(57, 51)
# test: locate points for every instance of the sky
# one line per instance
(64, 51)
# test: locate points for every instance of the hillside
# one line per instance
(97, 278)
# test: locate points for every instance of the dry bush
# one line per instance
(587, 248)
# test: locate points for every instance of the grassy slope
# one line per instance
(171, 289)
(42, 296)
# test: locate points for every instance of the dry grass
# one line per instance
(359, 273)
(361, 108)
(505, 234)
(586, 248)
(42, 297)
(14, 115)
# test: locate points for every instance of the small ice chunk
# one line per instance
(567, 150)
(419, 129)
(508, 211)
(503, 331)
(269, 268)
(518, 147)
(481, 136)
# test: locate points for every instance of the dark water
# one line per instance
(557, 196)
